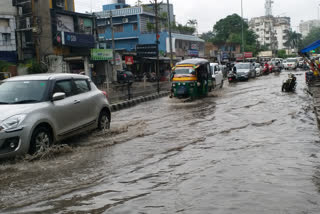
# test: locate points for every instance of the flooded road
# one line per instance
(248, 148)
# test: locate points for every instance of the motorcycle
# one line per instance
(232, 77)
(276, 70)
(265, 70)
(290, 84)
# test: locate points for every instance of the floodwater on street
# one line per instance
(248, 148)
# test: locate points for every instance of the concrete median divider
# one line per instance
(130, 103)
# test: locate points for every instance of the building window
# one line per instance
(101, 30)
(4, 22)
(135, 27)
(118, 28)
(6, 38)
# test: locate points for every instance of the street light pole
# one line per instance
(157, 42)
(114, 73)
(242, 33)
(170, 34)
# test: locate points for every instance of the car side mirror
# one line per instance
(58, 96)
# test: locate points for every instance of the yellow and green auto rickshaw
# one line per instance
(191, 78)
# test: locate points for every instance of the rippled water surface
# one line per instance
(248, 148)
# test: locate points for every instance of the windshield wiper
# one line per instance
(2, 103)
(25, 101)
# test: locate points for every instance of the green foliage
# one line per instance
(282, 54)
(183, 29)
(207, 36)
(4, 66)
(229, 31)
(36, 68)
(313, 36)
(294, 40)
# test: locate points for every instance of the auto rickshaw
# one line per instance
(191, 78)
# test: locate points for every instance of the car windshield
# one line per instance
(184, 71)
(22, 92)
(291, 60)
(243, 66)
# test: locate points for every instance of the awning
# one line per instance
(187, 37)
(311, 47)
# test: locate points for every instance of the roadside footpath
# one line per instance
(132, 102)
(314, 90)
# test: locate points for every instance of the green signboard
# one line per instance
(101, 54)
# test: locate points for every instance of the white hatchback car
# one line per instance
(217, 75)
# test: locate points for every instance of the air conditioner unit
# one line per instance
(125, 20)
(108, 22)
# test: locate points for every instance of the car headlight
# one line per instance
(12, 122)
(173, 85)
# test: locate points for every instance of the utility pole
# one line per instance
(114, 72)
(157, 42)
(242, 33)
(170, 34)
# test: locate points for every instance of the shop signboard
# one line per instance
(129, 60)
(248, 54)
(101, 54)
(77, 40)
(147, 50)
(193, 53)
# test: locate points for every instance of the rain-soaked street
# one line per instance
(248, 148)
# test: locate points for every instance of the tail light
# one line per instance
(105, 94)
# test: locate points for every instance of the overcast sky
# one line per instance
(208, 12)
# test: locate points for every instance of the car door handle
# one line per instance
(76, 101)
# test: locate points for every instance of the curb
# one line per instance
(130, 103)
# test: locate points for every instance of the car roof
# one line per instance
(47, 76)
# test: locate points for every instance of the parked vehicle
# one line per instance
(290, 63)
(290, 84)
(124, 76)
(38, 110)
(190, 78)
(245, 71)
(217, 75)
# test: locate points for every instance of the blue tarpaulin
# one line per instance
(311, 47)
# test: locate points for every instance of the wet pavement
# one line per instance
(248, 148)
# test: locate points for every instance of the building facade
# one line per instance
(135, 25)
(51, 32)
(8, 49)
(271, 31)
(305, 27)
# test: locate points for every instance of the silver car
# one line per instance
(38, 110)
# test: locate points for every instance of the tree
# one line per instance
(313, 36)
(294, 40)
(208, 36)
(138, 3)
(229, 30)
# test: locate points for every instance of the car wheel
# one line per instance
(41, 139)
(214, 85)
(221, 84)
(104, 121)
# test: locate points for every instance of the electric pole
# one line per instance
(170, 34)
(157, 42)
(242, 33)
(114, 72)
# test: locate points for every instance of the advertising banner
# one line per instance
(65, 23)
(77, 40)
(129, 60)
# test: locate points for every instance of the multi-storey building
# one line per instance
(271, 31)
(54, 34)
(136, 25)
(8, 49)
(305, 27)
